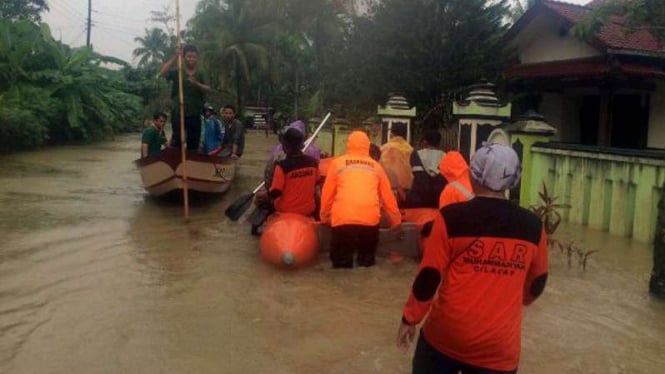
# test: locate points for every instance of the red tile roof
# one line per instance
(613, 35)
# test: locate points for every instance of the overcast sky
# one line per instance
(115, 22)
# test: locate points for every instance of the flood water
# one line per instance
(97, 278)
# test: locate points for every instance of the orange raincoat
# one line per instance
(356, 188)
(454, 168)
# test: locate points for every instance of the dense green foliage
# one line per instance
(49, 91)
(305, 56)
(301, 57)
(22, 9)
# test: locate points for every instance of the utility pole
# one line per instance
(87, 43)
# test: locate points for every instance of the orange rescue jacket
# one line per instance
(454, 168)
(356, 188)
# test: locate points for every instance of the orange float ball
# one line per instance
(289, 241)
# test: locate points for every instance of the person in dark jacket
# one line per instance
(427, 179)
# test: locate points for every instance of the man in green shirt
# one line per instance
(234, 138)
(153, 137)
(193, 91)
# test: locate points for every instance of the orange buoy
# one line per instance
(289, 240)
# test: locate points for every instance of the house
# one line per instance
(609, 91)
(606, 99)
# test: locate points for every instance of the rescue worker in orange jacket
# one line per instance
(483, 260)
(295, 178)
(355, 189)
(456, 171)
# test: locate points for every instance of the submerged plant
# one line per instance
(570, 250)
(548, 211)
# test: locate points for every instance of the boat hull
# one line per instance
(164, 172)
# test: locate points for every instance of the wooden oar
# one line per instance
(240, 206)
(181, 104)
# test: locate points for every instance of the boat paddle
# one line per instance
(240, 206)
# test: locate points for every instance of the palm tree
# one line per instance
(234, 39)
(153, 48)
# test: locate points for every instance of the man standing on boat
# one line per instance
(485, 258)
(153, 137)
(234, 140)
(193, 89)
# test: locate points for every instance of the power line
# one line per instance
(112, 34)
(114, 29)
(71, 9)
(128, 19)
(71, 17)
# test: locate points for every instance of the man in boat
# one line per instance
(213, 132)
(193, 90)
(354, 192)
(234, 138)
(427, 179)
(295, 178)
(456, 171)
(153, 138)
(483, 260)
(277, 154)
(395, 155)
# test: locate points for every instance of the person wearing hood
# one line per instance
(398, 134)
(395, 155)
(312, 150)
(355, 190)
(427, 179)
(456, 171)
(484, 260)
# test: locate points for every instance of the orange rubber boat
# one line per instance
(292, 241)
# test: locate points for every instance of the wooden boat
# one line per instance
(162, 173)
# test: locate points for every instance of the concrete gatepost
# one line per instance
(530, 128)
(395, 111)
(478, 115)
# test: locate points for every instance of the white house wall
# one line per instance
(541, 41)
(656, 137)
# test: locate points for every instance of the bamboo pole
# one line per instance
(181, 104)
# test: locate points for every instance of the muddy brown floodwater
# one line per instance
(97, 278)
